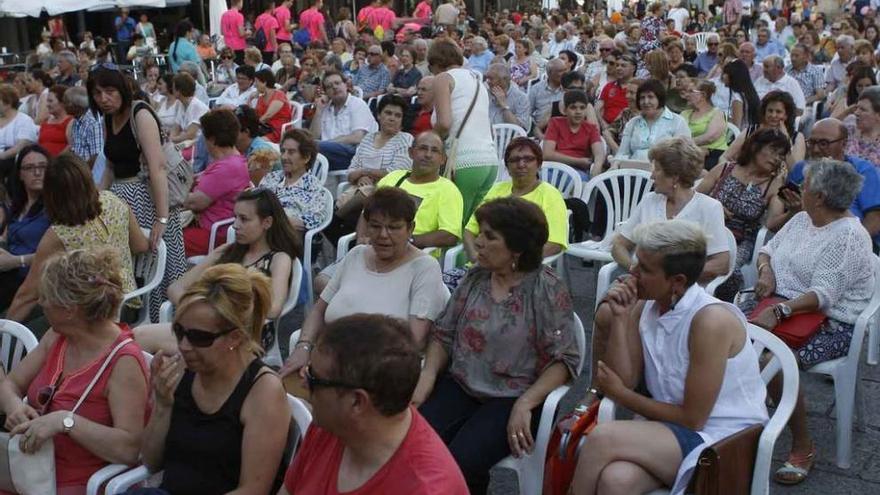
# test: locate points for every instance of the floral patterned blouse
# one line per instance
(500, 349)
(304, 199)
(862, 148)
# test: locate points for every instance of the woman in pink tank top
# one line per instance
(80, 293)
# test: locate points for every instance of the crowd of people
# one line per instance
(420, 376)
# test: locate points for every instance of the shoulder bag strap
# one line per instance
(100, 372)
(403, 178)
(470, 108)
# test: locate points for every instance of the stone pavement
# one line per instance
(863, 477)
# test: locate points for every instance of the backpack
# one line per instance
(302, 37)
(261, 39)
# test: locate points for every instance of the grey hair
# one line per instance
(333, 60)
(713, 36)
(479, 40)
(845, 39)
(77, 97)
(775, 60)
(500, 70)
(67, 55)
(194, 70)
(419, 42)
(682, 244)
(838, 182)
(872, 94)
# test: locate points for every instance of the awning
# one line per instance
(33, 8)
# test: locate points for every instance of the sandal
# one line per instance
(796, 468)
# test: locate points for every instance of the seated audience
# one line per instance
(708, 124)
(678, 163)
(265, 242)
(862, 78)
(613, 131)
(226, 71)
(832, 274)
(507, 103)
(662, 319)
(574, 141)
(864, 132)
(17, 130)
(654, 123)
(81, 291)
(166, 104)
(272, 105)
(24, 219)
(186, 123)
(412, 285)
(237, 445)
(365, 437)
(747, 189)
(775, 79)
(510, 317)
(300, 192)
(418, 119)
(54, 131)
(384, 150)
(87, 134)
(522, 67)
(777, 112)
(543, 94)
(372, 77)
(241, 91)
(407, 77)
(340, 122)
(213, 196)
(250, 137)
(80, 218)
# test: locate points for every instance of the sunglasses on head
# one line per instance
(196, 337)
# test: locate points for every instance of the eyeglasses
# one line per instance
(196, 337)
(31, 169)
(313, 382)
(226, 57)
(605, 49)
(822, 143)
(528, 160)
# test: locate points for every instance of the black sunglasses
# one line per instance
(196, 337)
(313, 382)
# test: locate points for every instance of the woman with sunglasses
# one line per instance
(264, 241)
(80, 292)
(224, 73)
(220, 417)
(24, 219)
(110, 94)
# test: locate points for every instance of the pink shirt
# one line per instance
(268, 24)
(382, 16)
(282, 15)
(222, 181)
(365, 13)
(229, 24)
(312, 20)
(423, 11)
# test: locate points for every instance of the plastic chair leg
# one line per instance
(874, 341)
(844, 395)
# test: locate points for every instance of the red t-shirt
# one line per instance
(268, 24)
(312, 20)
(422, 123)
(577, 144)
(229, 24)
(280, 118)
(282, 15)
(421, 465)
(614, 96)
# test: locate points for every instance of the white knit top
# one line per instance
(476, 147)
(833, 261)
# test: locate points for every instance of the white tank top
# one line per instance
(476, 147)
(740, 402)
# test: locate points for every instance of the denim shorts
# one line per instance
(688, 439)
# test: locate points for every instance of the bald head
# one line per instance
(828, 139)
(425, 92)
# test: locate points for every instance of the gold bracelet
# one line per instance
(762, 266)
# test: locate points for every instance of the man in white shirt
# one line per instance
(559, 42)
(836, 72)
(241, 92)
(747, 53)
(775, 79)
(340, 122)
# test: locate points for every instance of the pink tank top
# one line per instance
(74, 464)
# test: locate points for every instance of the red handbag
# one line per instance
(794, 331)
(562, 452)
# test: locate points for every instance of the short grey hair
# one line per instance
(838, 182)
(500, 70)
(682, 244)
(712, 36)
(479, 40)
(419, 42)
(76, 97)
(194, 70)
(845, 39)
(775, 60)
(69, 56)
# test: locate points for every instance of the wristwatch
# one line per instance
(783, 311)
(68, 422)
(162, 220)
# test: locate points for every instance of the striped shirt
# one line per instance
(811, 78)
(394, 155)
(88, 136)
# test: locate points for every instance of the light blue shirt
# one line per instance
(638, 135)
(186, 52)
(480, 63)
(771, 48)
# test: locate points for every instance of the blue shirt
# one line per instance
(24, 235)
(372, 79)
(125, 30)
(705, 61)
(868, 198)
(186, 52)
(480, 63)
(771, 48)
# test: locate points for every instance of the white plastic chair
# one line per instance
(298, 411)
(564, 178)
(622, 191)
(845, 373)
(451, 255)
(357, 91)
(530, 468)
(783, 360)
(307, 247)
(15, 342)
(731, 265)
(504, 134)
(732, 132)
(321, 168)
(581, 62)
(166, 312)
(702, 41)
(149, 267)
(344, 245)
(750, 270)
(212, 240)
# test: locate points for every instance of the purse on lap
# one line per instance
(726, 466)
(796, 330)
(34, 474)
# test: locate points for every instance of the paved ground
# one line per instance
(863, 477)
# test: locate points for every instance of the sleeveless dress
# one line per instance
(121, 150)
(74, 464)
(53, 137)
(476, 162)
(748, 203)
(740, 401)
(203, 451)
(518, 71)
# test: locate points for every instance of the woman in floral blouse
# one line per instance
(505, 340)
(301, 193)
(864, 131)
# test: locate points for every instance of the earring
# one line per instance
(673, 302)
(231, 348)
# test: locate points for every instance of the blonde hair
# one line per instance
(678, 157)
(240, 297)
(252, 54)
(682, 244)
(90, 279)
(657, 64)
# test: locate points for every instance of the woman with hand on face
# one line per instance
(80, 292)
(220, 417)
(777, 112)
(505, 340)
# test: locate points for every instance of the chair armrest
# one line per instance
(607, 411)
(103, 475)
(127, 479)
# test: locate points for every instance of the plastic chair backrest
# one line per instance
(344, 245)
(296, 276)
(562, 177)
(296, 117)
(307, 245)
(622, 191)
(731, 264)
(321, 168)
(702, 41)
(149, 266)
(732, 132)
(301, 416)
(15, 342)
(504, 134)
